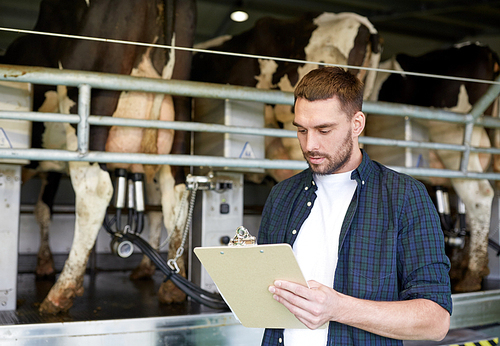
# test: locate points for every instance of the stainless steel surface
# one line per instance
(134, 317)
(205, 329)
(475, 309)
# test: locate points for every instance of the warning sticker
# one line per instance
(491, 342)
(247, 152)
(4, 139)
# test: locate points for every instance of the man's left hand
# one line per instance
(313, 306)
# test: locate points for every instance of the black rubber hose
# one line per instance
(212, 300)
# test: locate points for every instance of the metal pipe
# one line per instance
(216, 128)
(50, 76)
(41, 117)
(485, 101)
(211, 161)
(187, 88)
(158, 124)
(83, 124)
(418, 112)
(464, 163)
(174, 160)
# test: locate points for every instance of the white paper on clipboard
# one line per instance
(243, 275)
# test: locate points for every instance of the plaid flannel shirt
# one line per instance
(391, 243)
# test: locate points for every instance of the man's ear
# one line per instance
(358, 123)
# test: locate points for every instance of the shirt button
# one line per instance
(363, 182)
(306, 188)
(294, 231)
(280, 340)
(309, 204)
(313, 182)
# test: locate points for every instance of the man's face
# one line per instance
(325, 135)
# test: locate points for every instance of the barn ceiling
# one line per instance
(410, 26)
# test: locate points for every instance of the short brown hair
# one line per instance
(327, 82)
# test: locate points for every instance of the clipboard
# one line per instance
(243, 275)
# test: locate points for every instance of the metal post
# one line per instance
(83, 124)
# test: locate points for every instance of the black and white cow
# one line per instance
(152, 21)
(343, 38)
(468, 61)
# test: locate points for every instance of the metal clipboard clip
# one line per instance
(242, 238)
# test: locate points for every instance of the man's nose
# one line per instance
(312, 142)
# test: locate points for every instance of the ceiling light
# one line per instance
(239, 16)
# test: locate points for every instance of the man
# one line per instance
(367, 239)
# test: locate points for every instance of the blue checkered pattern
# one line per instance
(391, 243)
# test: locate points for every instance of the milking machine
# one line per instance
(455, 231)
(129, 196)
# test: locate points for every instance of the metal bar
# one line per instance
(418, 112)
(120, 82)
(445, 173)
(475, 309)
(41, 117)
(216, 128)
(174, 160)
(158, 124)
(464, 163)
(109, 81)
(51, 76)
(210, 161)
(83, 124)
(485, 101)
(412, 144)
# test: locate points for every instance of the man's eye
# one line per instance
(324, 132)
(301, 131)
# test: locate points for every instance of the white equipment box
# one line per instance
(217, 215)
(230, 113)
(13, 134)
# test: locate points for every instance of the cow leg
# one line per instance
(171, 206)
(477, 196)
(93, 191)
(43, 214)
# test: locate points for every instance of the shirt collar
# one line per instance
(362, 172)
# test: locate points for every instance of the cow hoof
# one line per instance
(169, 293)
(45, 270)
(60, 298)
(44, 264)
(142, 272)
(54, 307)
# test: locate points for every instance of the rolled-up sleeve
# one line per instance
(422, 263)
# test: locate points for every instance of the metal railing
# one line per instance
(85, 81)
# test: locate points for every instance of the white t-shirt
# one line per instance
(316, 246)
